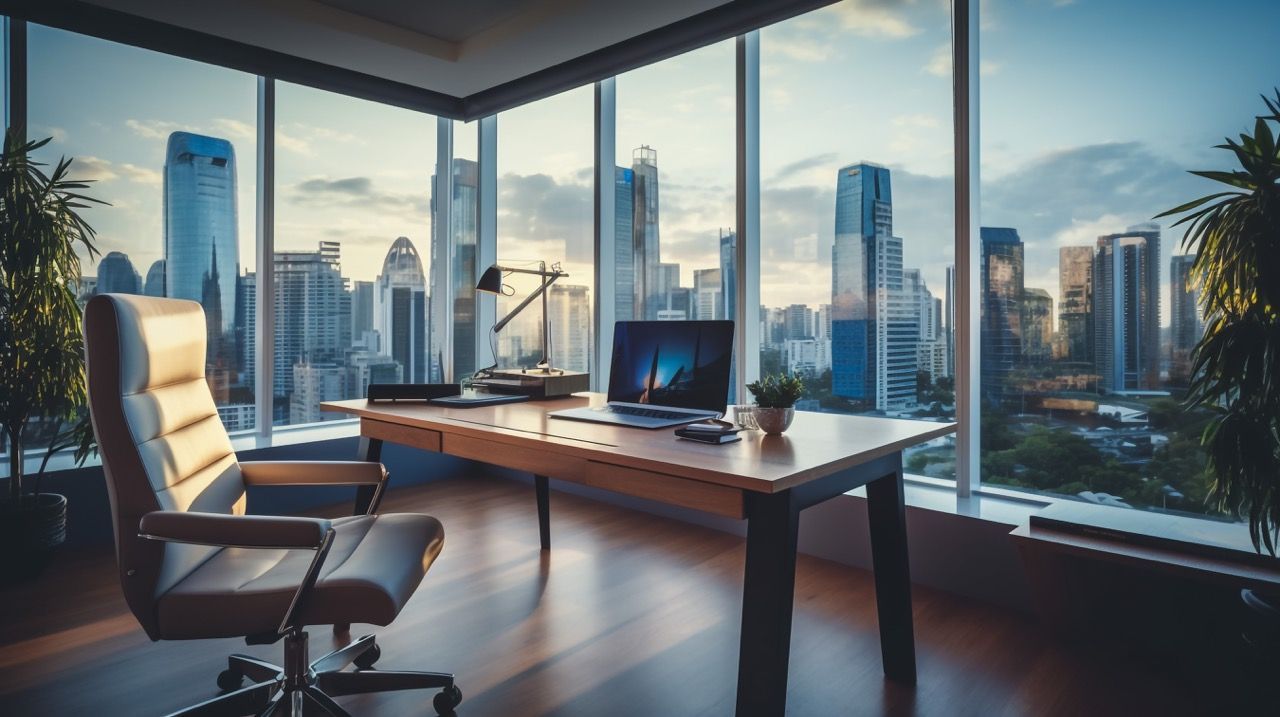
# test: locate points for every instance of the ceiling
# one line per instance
(457, 58)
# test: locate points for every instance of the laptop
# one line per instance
(664, 373)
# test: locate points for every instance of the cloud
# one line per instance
(322, 193)
(824, 161)
(876, 18)
(352, 186)
(141, 175)
(542, 218)
(94, 169)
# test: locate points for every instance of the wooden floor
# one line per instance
(630, 614)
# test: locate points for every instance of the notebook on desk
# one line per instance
(664, 373)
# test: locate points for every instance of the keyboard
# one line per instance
(645, 412)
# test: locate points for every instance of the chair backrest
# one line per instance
(162, 444)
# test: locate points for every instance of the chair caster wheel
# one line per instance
(447, 700)
(229, 680)
(368, 657)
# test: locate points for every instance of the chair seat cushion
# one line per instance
(374, 565)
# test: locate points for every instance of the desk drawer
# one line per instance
(684, 492)
(533, 460)
(424, 438)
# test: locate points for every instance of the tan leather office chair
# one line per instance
(193, 565)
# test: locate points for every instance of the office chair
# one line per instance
(194, 566)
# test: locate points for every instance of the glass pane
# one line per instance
(171, 144)
(465, 217)
(545, 216)
(1087, 317)
(857, 217)
(353, 223)
(675, 189)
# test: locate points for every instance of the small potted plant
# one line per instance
(776, 398)
(42, 377)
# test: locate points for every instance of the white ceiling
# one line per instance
(458, 47)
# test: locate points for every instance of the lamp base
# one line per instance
(535, 383)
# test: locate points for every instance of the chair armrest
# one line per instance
(312, 472)
(241, 531)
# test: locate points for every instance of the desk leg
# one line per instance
(370, 450)
(768, 591)
(886, 512)
(543, 491)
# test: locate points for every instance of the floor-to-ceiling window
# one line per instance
(170, 145)
(674, 195)
(353, 248)
(856, 213)
(1092, 113)
(545, 217)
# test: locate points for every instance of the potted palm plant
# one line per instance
(42, 379)
(776, 398)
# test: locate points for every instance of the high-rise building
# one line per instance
(668, 282)
(116, 275)
(464, 213)
(822, 322)
(365, 367)
(931, 346)
(1075, 307)
(1037, 324)
(708, 301)
(1126, 309)
(1184, 310)
(949, 329)
(798, 323)
(644, 227)
(362, 308)
(154, 285)
(399, 310)
(729, 275)
(201, 250)
(624, 245)
(569, 311)
(313, 383)
(246, 329)
(874, 330)
(807, 357)
(1002, 288)
(309, 303)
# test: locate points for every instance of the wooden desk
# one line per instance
(765, 480)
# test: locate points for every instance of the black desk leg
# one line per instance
(768, 591)
(886, 513)
(370, 450)
(544, 510)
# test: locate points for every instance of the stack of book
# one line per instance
(708, 432)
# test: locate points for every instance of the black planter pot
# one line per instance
(30, 533)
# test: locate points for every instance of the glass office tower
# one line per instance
(650, 298)
(1002, 288)
(116, 275)
(201, 249)
(1126, 309)
(624, 249)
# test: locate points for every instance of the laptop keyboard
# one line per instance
(645, 412)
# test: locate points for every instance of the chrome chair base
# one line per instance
(308, 688)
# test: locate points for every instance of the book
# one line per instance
(702, 435)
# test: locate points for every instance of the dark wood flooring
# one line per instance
(630, 614)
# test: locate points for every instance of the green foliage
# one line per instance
(1236, 234)
(41, 348)
(777, 390)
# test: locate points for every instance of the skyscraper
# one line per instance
(1075, 295)
(464, 213)
(1184, 310)
(155, 279)
(949, 330)
(624, 247)
(362, 310)
(246, 331)
(874, 333)
(201, 250)
(644, 227)
(399, 310)
(1126, 308)
(309, 302)
(1001, 292)
(569, 310)
(116, 275)
(708, 300)
(1037, 324)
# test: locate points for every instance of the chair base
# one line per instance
(302, 687)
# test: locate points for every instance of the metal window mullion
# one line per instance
(964, 46)
(605, 261)
(487, 236)
(15, 85)
(442, 298)
(264, 288)
(747, 246)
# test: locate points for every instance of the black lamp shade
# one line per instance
(491, 281)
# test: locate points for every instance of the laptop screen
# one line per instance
(683, 364)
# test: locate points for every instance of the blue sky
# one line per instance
(1092, 111)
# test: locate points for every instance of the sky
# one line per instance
(1091, 113)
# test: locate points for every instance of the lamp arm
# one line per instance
(548, 280)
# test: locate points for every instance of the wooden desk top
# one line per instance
(816, 445)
